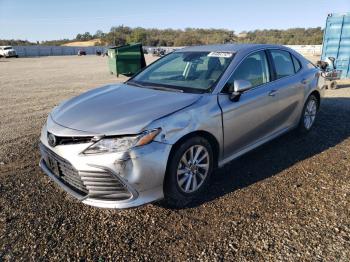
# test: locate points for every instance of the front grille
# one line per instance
(99, 185)
(68, 140)
(63, 170)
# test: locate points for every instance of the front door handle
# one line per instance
(273, 92)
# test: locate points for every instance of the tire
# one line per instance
(311, 109)
(333, 85)
(176, 194)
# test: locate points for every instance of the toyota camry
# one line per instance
(161, 134)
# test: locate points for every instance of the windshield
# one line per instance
(8, 48)
(186, 71)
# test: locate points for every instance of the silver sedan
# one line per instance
(160, 134)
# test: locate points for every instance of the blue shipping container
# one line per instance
(336, 41)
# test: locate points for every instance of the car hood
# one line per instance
(119, 109)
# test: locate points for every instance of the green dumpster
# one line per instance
(126, 59)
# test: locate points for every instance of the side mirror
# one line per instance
(239, 86)
(242, 85)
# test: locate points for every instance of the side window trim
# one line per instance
(297, 60)
(272, 68)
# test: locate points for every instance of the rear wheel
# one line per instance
(309, 113)
(189, 170)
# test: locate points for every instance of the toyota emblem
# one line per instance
(51, 139)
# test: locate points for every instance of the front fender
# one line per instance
(205, 115)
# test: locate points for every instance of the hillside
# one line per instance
(92, 42)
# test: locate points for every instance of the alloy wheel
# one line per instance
(193, 168)
(310, 114)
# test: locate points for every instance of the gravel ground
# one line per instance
(287, 200)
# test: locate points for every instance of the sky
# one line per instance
(36, 20)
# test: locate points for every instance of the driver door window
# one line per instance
(254, 69)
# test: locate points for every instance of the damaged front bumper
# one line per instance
(113, 180)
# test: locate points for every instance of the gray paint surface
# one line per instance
(119, 109)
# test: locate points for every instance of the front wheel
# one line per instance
(309, 113)
(188, 173)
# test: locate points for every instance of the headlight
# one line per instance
(120, 144)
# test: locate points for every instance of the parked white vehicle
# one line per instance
(7, 51)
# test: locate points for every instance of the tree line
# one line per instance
(121, 35)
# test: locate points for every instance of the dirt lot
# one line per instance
(288, 200)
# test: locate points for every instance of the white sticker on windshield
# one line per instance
(220, 54)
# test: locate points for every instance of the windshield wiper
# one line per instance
(154, 87)
(133, 83)
(165, 88)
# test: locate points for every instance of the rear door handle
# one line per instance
(304, 81)
(273, 92)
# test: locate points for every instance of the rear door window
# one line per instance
(283, 63)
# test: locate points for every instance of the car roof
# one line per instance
(227, 48)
